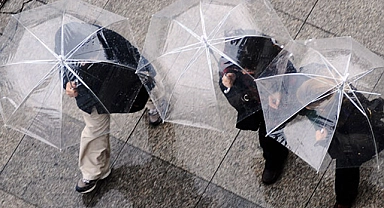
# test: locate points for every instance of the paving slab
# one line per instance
(139, 13)
(293, 13)
(10, 201)
(221, 197)
(296, 9)
(371, 189)
(123, 124)
(360, 19)
(143, 180)
(44, 176)
(310, 31)
(9, 140)
(171, 165)
(196, 150)
(241, 173)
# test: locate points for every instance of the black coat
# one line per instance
(353, 144)
(116, 84)
(255, 54)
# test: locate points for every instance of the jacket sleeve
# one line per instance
(233, 95)
(319, 122)
(67, 75)
(243, 95)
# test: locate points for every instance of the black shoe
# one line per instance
(85, 186)
(270, 176)
(154, 118)
(337, 205)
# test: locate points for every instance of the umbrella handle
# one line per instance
(227, 90)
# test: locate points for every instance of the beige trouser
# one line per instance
(95, 151)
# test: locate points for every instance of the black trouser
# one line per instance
(346, 184)
(274, 153)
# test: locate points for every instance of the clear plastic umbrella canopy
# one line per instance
(184, 45)
(66, 40)
(330, 106)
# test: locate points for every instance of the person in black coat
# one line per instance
(353, 141)
(253, 54)
(102, 79)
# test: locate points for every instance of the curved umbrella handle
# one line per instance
(227, 90)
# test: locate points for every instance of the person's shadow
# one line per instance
(155, 183)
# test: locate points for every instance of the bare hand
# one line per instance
(70, 89)
(228, 79)
(274, 100)
(321, 134)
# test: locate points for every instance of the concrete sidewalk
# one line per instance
(175, 166)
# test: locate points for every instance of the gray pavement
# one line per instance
(175, 166)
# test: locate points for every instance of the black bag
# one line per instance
(353, 144)
(352, 150)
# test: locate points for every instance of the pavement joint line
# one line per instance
(13, 152)
(306, 18)
(126, 141)
(218, 167)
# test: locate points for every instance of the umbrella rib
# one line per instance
(327, 63)
(293, 114)
(197, 54)
(97, 61)
(202, 22)
(226, 57)
(221, 23)
(42, 43)
(204, 39)
(33, 88)
(203, 26)
(183, 49)
(370, 125)
(357, 104)
(87, 38)
(189, 31)
(31, 62)
(85, 85)
(78, 46)
(359, 76)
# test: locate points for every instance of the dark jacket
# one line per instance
(253, 53)
(110, 84)
(353, 142)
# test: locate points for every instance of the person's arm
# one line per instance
(274, 100)
(227, 81)
(71, 89)
(321, 134)
(322, 125)
(230, 78)
(275, 97)
(70, 81)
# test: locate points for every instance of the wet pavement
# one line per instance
(176, 166)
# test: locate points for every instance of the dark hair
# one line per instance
(255, 53)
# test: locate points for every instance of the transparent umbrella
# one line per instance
(69, 40)
(331, 107)
(185, 44)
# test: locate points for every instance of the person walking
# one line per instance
(253, 54)
(109, 88)
(352, 143)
